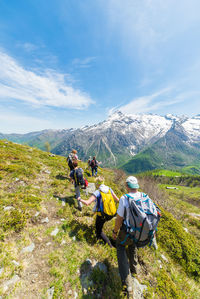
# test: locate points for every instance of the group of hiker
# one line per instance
(136, 219)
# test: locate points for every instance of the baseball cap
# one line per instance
(132, 182)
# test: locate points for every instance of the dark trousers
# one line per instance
(127, 258)
(100, 220)
(94, 169)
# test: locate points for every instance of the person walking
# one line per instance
(71, 158)
(76, 176)
(127, 259)
(88, 162)
(94, 166)
(125, 242)
(102, 195)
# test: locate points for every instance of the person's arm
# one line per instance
(71, 176)
(115, 196)
(89, 201)
(118, 223)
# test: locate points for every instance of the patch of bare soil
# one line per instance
(35, 275)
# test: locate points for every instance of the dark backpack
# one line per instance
(93, 163)
(78, 177)
(144, 216)
(70, 159)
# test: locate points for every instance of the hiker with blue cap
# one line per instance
(125, 267)
(136, 221)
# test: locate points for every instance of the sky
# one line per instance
(70, 63)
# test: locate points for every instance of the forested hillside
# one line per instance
(48, 248)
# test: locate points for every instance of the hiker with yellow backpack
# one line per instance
(105, 207)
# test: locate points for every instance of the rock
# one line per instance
(63, 242)
(13, 280)
(91, 188)
(89, 261)
(164, 258)
(50, 293)
(1, 270)
(154, 243)
(138, 289)
(29, 248)
(15, 263)
(37, 214)
(45, 220)
(8, 208)
(54, 232)
(47, 171)
(194, 215)
(101, 266)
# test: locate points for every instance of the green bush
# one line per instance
(181, 246)
(166, 288)
(13, 220)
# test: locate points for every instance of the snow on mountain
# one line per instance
(192, 128)
(146, 126)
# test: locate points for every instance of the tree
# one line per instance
(47, 146)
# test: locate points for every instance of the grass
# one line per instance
(34, 181)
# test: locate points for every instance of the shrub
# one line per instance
(14, 220)
(181, 246)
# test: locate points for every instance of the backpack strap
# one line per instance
(75, 177)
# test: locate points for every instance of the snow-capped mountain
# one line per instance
(119, 138)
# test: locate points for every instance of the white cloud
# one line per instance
(47, 89)
(83, 63)
(150, 103)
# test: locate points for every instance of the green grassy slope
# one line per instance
(34, 185)
(167, 153)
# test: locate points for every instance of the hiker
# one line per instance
(94, 166)
(89, 161)
(76, 176)
(105, 211)
(127, 257)
(71, 158)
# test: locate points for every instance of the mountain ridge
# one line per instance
(117, 139)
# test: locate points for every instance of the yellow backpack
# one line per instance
(107, 204)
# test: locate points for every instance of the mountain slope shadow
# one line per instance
(82, 231)
(98, 280)
(67, 199)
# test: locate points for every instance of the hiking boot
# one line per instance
(127, 292)
(124, 290)
(134, 270)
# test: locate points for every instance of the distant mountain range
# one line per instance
(134, 143)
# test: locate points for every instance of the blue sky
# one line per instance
(71, 63)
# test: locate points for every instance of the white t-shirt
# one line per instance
(124, 204)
